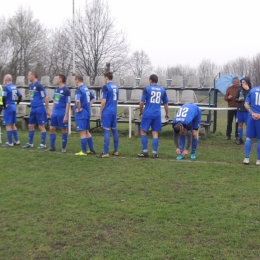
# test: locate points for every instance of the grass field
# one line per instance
(59, 206)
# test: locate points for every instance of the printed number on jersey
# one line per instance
(114, 94)
(155, 97)
(14, 92)
(182, 112)
(257, 99)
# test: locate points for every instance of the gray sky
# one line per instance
(171, 31)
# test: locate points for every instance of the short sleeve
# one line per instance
(104, 92)
(165, 98)
(91, 96)
(143, 99)
(78, 94)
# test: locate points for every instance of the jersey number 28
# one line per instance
(155, 97)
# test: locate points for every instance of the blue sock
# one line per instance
(144, 140)
(155, 143)
(240, 133)
(84, 142)
(90, 144)
(44, 134)
(258, 149)
(64, 140)
(9, 136)
(194, 144)
(182, 142)
(15, 134)
(106, 141)
(52, 140)
(248, 147)
(31, 136)
(116, 139)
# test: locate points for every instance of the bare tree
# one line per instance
(139, 64)
(4, 45)
(207, 68)
(255, 76)
(180, 70)
(240, 66)
(98, 40)
(27, 39)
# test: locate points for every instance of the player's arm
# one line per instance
(176, 142)
(46, 101)
(188, 143)
(19, 97)
(165, 104)
(92, 99)
(103, 101)
(142, 102)
(141, 108)
(66, 116)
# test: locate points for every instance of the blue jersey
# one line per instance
(187, 114)
(61, 99)
(110, 93)
(253, 98)
(10, 92)
(84, 96)
(37, 94)
(153, 96)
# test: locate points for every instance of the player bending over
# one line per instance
(188, 118)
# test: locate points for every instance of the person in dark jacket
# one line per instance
(242, 112)
(230, 98)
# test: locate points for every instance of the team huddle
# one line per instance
(185, 124)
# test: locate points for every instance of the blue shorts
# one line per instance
(242, 117)
(9, 117)
(253, 128)
(57, 121)
(196, 121)
(38, 116)
(82, 124)
(109, 121)
(156, 124)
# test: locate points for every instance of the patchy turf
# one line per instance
(59, 206)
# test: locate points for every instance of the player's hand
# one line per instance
(65, 120)
(178, 151)
(255, 116)
(100, 117)
(185, 152)
(167, 117)
(78, 111)
(140, 115)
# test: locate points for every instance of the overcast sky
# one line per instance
(171, 31)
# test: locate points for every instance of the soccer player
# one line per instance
(188, 118)
(9, 99)
(38, 112)
(252, 105)
(242, 113)
(108, 114)
(83, 102)
(60, 113)
(152, 98)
